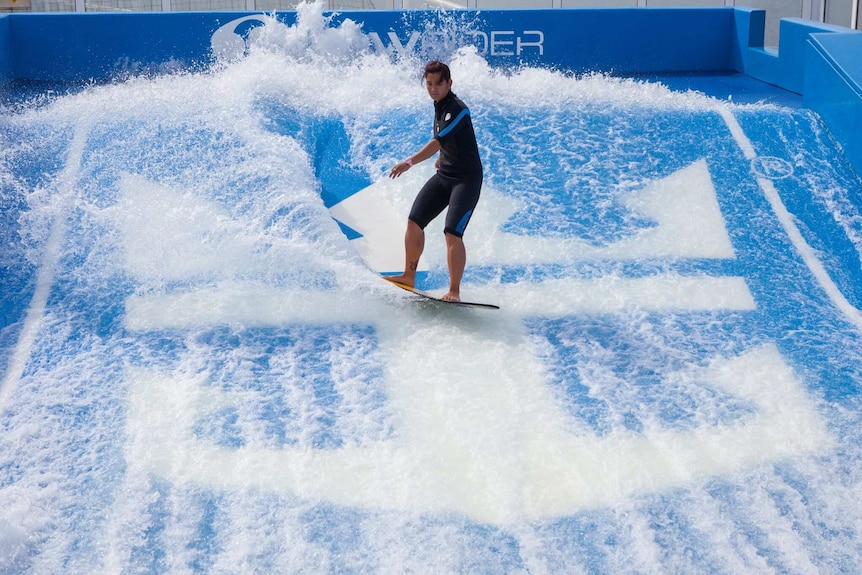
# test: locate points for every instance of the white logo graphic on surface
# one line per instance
(448, 453)
(771, 168)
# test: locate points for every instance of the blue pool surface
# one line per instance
(739, 88)
(201, 375)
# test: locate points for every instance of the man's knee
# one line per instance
(453, 239)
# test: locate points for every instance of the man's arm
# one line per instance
(428, 150)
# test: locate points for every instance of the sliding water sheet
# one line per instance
(201, 375)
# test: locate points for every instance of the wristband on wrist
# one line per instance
(409, 161)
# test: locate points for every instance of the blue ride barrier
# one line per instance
(621, 41)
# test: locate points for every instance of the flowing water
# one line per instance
(201, 375)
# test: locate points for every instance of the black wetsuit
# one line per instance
(459, 180)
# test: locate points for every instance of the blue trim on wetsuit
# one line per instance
(453, 123)
(463, 223)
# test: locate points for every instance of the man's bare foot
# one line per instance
(452, 296)
(402, 279)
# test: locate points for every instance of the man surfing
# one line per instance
(456, 184)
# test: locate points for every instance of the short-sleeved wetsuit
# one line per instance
(458, 181)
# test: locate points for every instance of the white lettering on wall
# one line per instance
(228, 44)
(539, 41)
(395, 46)
(499, 42)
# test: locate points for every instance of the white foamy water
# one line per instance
(211, 379)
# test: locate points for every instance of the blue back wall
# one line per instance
(623, 41)
(76, 46)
